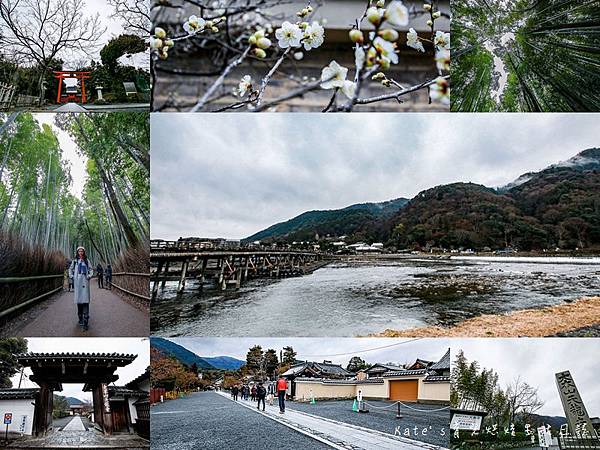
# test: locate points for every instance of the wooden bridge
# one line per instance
(180, 261)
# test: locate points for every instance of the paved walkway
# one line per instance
(208, 421)
(74, 425)
(336, 434)
(110, 316)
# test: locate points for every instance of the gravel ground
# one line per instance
(385, 419)
(207, 421)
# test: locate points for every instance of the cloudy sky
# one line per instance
(136, 346)
(232, 175)
(338, 350)
(536, 361)
(75, 161)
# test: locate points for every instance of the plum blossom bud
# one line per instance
(252, 40)
(298, 56)
(260, 53)
(429, 23)
(389, 35)
(263, 43)
(214, 29)
(436, 14)
(378, 76)
(427, 7)
(356, 36)
(160, 32)
(380, 3)
(169, 43)
(373, 15)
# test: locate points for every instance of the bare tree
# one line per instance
(42, 30)
(522, 398)
(134, 14)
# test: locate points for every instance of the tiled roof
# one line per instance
(121, 390)
(384, 366)
(437, 378)
(10, 394)
(142, 377)
(76, 356)
(322, 368)
(443, 363)
(404, 373)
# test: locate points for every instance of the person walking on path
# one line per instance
(100, 273)
(80, 272)
(108, 274)
(234, 392)
(261, 393)
(253, 393)
(281, 391)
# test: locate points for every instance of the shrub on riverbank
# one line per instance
(20, 259)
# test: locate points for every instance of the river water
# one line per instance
(362, 297)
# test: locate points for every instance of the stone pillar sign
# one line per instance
(577, 417)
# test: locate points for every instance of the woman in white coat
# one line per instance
(81, 272)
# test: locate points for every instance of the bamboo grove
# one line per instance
(549, 49)
(37, 204)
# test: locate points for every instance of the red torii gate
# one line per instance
(81, 76)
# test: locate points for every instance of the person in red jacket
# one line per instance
(281, 390)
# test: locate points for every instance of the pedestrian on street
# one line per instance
(100, 273)
(80, 272)
(253, 393)
(234, 392)
(108, 274)
(281, 391)
(261, 393)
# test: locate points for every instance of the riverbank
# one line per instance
(573, 319)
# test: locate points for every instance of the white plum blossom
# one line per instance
(442, 59)
(412, 40)
(194, 24)
(359, 57)
(245, 85)
(289, 35)
(397, 14)
(442, 40)
(314, 35)
(440, 91)
(348, 88)
(333, 76)
(386, 49)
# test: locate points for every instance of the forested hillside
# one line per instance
(556, 207)
(336, 222)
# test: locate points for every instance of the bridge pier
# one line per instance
(181, 285)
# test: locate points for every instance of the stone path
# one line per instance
(70, 107)
(110, 316)
(336, 434)
(74, 425)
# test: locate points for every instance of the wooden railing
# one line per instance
(26, 303)
(128, 291)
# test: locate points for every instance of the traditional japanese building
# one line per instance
(95, 370)
(386, 382)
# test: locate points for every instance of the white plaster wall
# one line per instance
(439, 392)
(132, 409)
(18, 408)
(373, 390)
